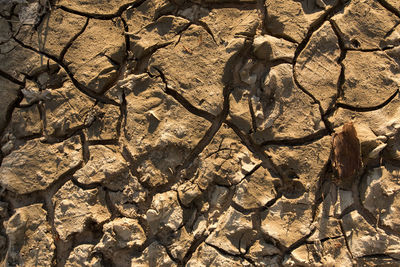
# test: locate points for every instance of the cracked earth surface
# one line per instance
(198, 133)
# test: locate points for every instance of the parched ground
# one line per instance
(199, 133)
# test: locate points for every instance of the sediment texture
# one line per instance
(198, 133)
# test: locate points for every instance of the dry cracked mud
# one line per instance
(198, 132)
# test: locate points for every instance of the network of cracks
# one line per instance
(198, 133)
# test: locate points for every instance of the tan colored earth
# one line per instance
(198, 132)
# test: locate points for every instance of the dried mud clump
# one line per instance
(199, 133)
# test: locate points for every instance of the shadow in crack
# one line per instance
(293, 189)
(153, 123)
(314, 6)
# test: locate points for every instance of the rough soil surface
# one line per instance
(199, 133)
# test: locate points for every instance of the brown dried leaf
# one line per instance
(346, 156)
